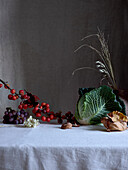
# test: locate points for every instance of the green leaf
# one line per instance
(94, 105)
(82, 91)
(120, 101)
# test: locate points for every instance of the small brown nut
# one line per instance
(66, 126)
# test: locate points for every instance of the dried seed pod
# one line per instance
(121, 126)
(115, 121)
(66, 126)
(117, 116)
(110, 126)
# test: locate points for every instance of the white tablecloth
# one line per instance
(48, 147)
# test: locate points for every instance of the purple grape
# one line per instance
(22, 115)
(22, 111)
(13, 112)
(18, 113)
(4, 121)
(25, 118)
(16, 121)
(26, 114)
(10, 114)
(5, 116)
(6, 113)
(20, 121)
(11, 120)
(15, 117)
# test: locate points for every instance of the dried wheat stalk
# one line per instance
(104, 66)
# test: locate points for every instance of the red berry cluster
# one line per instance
(59, 117)
(41, 111)
(45, 110)
(68, 116)
(13, 95)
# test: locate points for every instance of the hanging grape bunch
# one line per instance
(29, 100)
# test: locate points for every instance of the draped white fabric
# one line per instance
(48, 147)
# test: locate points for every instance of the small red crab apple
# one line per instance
(36, 108)
(25, 96)
(41, 107)
(6, 86)
(12, 91)
(20, 107)
(51, 117)
(17, 96)
(25, 106)
(14, 98)
(47, 105)
(47, 110)
(48, 119)
(1, 85)
(63, 117)
(34, 111)
(38, 114)
(21, 92)
(43, 118)
(30, 106)
(43, 104)
(10, 96)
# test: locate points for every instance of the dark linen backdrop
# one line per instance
(37, 43)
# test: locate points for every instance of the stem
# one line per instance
(5, 84)
(106, 56)
(99, 53)
(9, 88)
(81, 68)
(103, 53)
(92, 35)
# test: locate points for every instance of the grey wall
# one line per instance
(37, 43)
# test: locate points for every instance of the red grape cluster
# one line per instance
(14, 117)
(69, 117)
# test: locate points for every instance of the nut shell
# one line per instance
(66, 126)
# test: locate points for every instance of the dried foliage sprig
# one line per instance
(104, 66)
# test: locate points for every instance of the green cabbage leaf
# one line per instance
(95, 104)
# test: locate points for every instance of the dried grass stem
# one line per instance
(105, 57)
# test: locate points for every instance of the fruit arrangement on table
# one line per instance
(28, 100)
(94, 106)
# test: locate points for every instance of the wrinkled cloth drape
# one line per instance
(49, 147)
